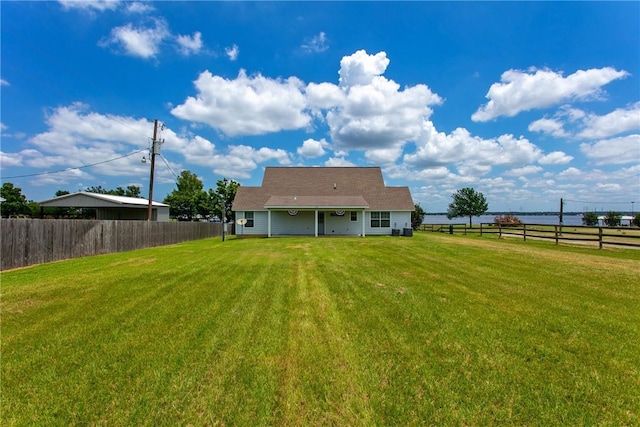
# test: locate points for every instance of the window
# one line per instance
(380, 219)
(354, 215)
(249, 217)
(385, 219)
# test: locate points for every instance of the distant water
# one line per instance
(526, 219)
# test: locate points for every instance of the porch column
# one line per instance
(316, 222)
(364, 222)
(269, 223)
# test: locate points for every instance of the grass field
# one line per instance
(434, 329)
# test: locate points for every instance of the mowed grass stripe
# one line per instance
(435, 329)
(320, 384)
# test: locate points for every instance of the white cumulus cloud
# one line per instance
(618, 121)
(613, 151)
(139, 7)
(338, 161)
(140, 41)
(551, 127)
(317, 43)
(246, 105)
(526, 170)
(190, 44)
(232, 52)
(469, 153)
(520, 91)
(361, 68)
(95, 5)
(555, 158)
(372, 112)
(313, 148)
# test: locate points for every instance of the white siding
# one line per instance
(301, 224)
(259, 224)
(342, 225)
(398, 220)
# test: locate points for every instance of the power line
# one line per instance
(79, 167)
(169, 167)
(598, 203)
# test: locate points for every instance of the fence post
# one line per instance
(524, 232)
(499, 231)
(480, 229)
(599, 237)
(555, 227)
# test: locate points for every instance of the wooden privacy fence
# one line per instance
(27, 242)
(601, 236)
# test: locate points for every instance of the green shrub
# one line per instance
(590, 219)
(613, 219)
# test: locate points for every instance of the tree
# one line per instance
(590, 219)
(189, 199)
(417, 217)
(130, 191)
(467, 202)
(15, 203)
(225, 194)
(97, 190)
(636, 220)
(612, 219)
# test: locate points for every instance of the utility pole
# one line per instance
(153, 166)
(561, 210)
(224, 212)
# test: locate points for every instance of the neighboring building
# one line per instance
(623, 218)
(111, 207)
(315, 201)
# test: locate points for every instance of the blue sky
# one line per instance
(525, 102)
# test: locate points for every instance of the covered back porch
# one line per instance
(316, 216)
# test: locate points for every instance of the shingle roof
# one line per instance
(288, 202)
(333, 187)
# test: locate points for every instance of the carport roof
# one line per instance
(84, 199)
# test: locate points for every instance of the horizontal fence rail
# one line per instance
(449, 228)
(578, 234)
(27, 242)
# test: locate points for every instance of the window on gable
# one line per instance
(380, 219)
(249, 217)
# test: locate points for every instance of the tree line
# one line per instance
(189, 201)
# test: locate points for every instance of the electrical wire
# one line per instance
(598, 203)
(79, 167)
(70, 72)
(169, 167)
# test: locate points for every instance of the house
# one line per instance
(316, 201)
(111, 207)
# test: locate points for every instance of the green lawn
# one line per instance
(434, 329)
